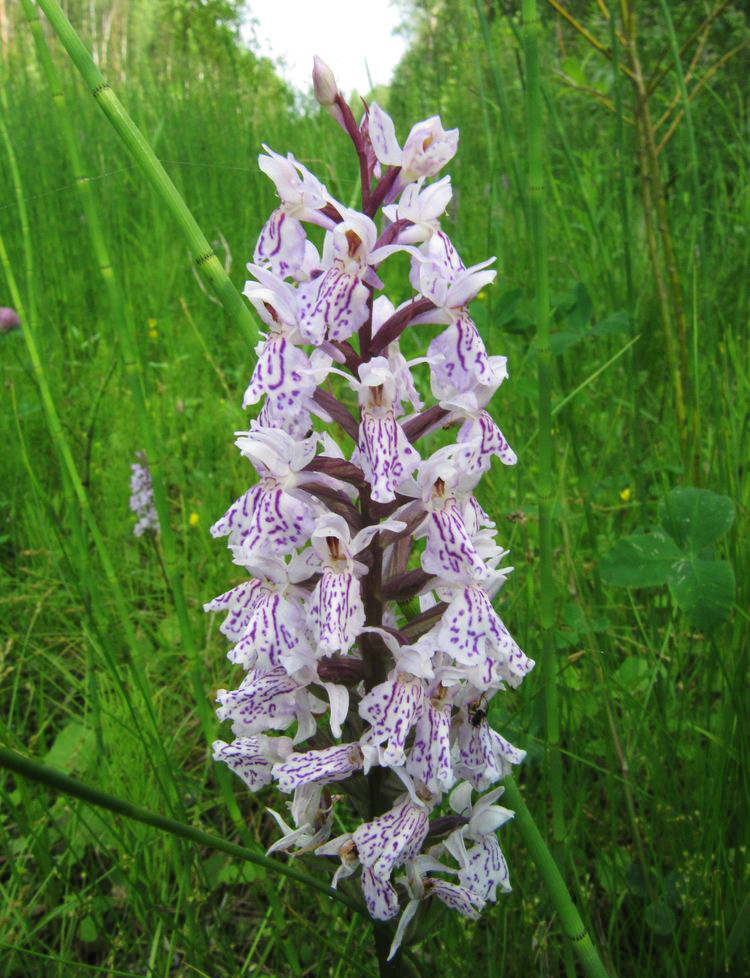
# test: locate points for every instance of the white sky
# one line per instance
(351, 36)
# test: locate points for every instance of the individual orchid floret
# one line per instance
(269, 700)
(142, 497)
(326, 90)
(391, 708)
(312, 812)
(422, 207)
(420, 886)
(482, 865)
(429, 759)
(427, 149)
(480, 754)
(319, 766)
(282, 240)
(274, 516)
(336, 304)
(385, 453)
(252, 758)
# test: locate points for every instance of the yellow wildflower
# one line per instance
(194, 519)
(626, 494)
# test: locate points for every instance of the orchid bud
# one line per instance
(326, 90)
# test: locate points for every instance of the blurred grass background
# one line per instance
(645, 697)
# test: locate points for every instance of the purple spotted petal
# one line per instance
(264, 701)
(482, 439)
(248, 758)
(281, 245)
(484, 757)
(239, 603)
(318, 766)
(465, 362)
(380, 897)
(275, 628)
(266, 520)
(450, 553)
(471, 629)
(335, 614)
(386, 456)
(332, 306)
(485, 869)
(391, 709)
(391, 839)
(461, 898)
(283, 373)
(429, 760)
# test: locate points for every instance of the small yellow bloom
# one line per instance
(481, 295)
(152, 333)
(194, 519)
(626, 494)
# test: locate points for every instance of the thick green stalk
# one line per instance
(152, 169)
(571, 921)
(531, 31)
(33, 770)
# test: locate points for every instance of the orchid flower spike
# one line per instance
(361, 610)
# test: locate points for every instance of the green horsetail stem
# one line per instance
(571, 921)
(27, 767)
(531, 31)
(152, 169)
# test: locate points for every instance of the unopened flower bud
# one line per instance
(326, 90)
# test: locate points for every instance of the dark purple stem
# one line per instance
(382, 190)
(333, 406)
(414, 428)
(359, 145)
(392, 328)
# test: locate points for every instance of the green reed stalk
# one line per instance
(134, 372)
(531, 31)
(697, 215)
(27, 767)
(571, 921)
(152, 169)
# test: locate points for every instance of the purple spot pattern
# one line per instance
(485, 868)
(466, 362)
(281, 244)
(318, 766)
(391, 709)
(449, 553)
(240, 603)
(482, 439)
(429, 759)
(460, 898)
(283, 374)
(386, 456)
(471, 628)
(391, 839)
(333, 306)
(380, 897)
(266, 700)
(246, 757)
(266, 520)
(335, 614)
(483, 756)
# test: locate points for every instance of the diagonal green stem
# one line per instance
(571, 921)
(532, 28)
(152, 169)
(52, 778)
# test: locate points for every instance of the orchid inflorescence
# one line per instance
(142, 497)
(340, 543)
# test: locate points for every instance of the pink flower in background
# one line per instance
(356, 509)
(142, 497)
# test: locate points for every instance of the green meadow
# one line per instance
(638, 598)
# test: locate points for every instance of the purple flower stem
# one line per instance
(392, 328)
(356, 137)
(381, 191)
(333, 406)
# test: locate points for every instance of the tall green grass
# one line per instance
(653, 716)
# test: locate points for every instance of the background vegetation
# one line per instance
(654, 706)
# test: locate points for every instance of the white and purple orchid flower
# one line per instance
(354, 513)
